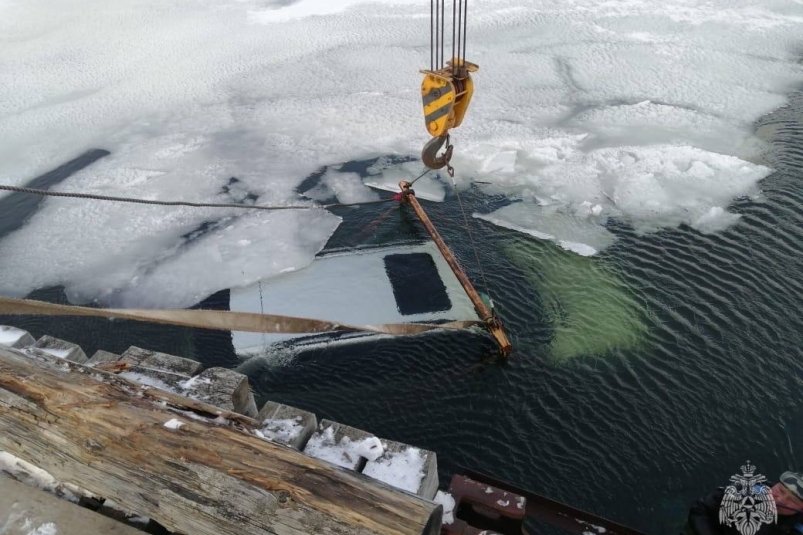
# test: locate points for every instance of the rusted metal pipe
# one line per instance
(490, 320)
(571, 519)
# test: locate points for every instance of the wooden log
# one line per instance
(99, 432)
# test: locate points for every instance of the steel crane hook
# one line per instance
(430, 155)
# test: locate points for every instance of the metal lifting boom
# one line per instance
(487, 316)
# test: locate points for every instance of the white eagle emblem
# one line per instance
(747, 503)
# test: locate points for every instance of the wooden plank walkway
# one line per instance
(108, 435)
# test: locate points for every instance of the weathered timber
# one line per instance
(100, 432)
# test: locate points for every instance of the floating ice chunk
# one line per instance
(583, 236)
(649, 186)
(499, 162)
(348, 187)
(173, 424)
(387, 175)
(179, 129)
(669, 185)
(172, 278)
(404, 469)
(715, 220)
(448, 503)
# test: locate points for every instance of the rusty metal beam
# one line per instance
(492, 323)
(555, 513)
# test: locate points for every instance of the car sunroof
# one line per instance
(417, 285)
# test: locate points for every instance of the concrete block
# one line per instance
(169, 382)
(406, 467)
(102, 356)
(250, 408)
(223, 388)
(61, 349)
(342, 445)
(161, 361)
(286, 425)
(134, 355)
(14, 337)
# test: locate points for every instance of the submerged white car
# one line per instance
(388, 284)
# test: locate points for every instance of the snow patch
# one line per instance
(58, 353)
(31, 475)
(281, 430)
(194, 381)
(403, 470)
(48, 528)
(345, 453)
(173, 424)
(448, 503)
(146, 380)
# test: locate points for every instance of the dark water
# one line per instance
(643, 377)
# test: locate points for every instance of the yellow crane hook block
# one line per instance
(446, 94)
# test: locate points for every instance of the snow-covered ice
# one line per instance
(584, 111)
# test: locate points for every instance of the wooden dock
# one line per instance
(192, 466)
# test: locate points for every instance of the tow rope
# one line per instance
(136, 200)
(221, 319)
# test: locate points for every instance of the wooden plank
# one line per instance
(105, 435)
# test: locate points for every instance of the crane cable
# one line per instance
(473, 243)
(459, 40)
(437, 33)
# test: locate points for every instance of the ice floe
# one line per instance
(644, 110)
